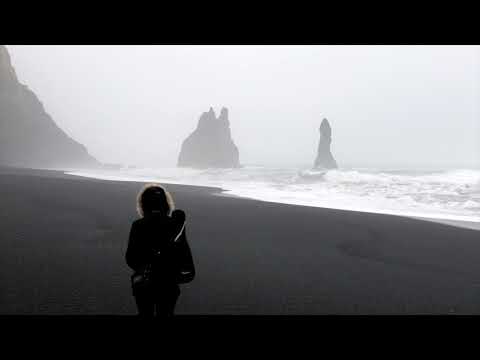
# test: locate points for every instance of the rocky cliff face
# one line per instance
(211, 144)
(28, 135)
(325, 158)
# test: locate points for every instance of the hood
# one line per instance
(169, 197)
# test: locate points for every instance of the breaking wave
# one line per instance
(453, 195)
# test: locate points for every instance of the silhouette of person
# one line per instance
(158, 242)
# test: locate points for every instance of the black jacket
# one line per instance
(151, 240)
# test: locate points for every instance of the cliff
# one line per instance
(28, 135)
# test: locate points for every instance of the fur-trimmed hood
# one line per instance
(170, 202)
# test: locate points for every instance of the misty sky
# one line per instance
(389, 106)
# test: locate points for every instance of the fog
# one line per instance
(389, 106)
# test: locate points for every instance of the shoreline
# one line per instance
(226, 192)
(457, 223)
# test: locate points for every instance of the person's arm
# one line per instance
(187, 267)
(133, 255)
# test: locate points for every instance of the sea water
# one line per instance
(442, 194)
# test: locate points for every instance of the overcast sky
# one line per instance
(389, 106)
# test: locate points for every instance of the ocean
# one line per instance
(452, 195)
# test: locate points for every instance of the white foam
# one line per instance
(448, 195)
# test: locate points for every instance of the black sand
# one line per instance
(63, 240)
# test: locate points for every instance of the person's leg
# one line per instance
(166, 302)
(145, 305)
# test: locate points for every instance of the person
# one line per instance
(158, 242)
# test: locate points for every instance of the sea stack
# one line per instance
(28, 135)
(325, 158)
(211, 144)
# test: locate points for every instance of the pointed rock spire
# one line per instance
(325, 158)
(7, 73)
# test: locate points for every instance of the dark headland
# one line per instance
(29, 137)
(63, 241)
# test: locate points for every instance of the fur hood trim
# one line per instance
(169, 197)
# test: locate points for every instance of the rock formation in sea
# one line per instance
(325, 158)
(211, 144)
(28, 135)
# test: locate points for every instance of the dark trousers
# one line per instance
(162, 303)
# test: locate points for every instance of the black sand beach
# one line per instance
(63, 240)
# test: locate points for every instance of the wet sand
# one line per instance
(63, 240)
